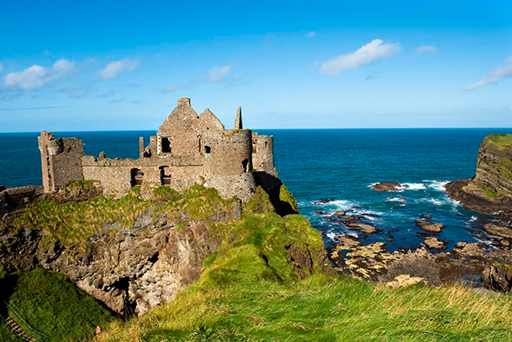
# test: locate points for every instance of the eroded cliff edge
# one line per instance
(134, 254)
(490, 190)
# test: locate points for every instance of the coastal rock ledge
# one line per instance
(490, 190)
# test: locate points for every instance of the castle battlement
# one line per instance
(188, 148)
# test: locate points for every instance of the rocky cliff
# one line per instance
(490, 190)
(134, 254)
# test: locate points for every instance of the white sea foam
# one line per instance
(413, 186)
(394, 199)
(473, 219)
(437, 185)
(332, 234)
(435, 201)
(337, 204)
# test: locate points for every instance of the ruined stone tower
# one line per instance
(188, 148)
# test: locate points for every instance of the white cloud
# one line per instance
(366, 54)
(494, 76)
(217, 74)
(1, 68)
(310, 34)
(113, 69)
(426, 49)
(36, 76)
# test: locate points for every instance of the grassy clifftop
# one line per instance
(500, 141)
(255, 289)
(270, 281)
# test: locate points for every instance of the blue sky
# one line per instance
(122, 65)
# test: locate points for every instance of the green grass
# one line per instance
(51, 304)
(266, 282)
(73, 223)
(286, 196)
(252, 290)
(501, 141)
(321, 308)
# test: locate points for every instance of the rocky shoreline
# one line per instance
(473, 264)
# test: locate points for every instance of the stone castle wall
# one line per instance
(61, 160)
(187, 149)
(263, 153)
(228, 163)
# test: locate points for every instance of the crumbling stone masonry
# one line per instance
(187, 149)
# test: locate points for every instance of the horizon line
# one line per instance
(255, 129)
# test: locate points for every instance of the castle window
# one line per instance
(165, 176)
(166, 145)
(136, 177)
(266, 144)
(207, 149)
(244, 164)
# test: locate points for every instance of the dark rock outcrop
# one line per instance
(490, 190)
(388, 186)
(498, 277)
(13, 201)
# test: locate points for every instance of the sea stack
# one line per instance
(490, 190)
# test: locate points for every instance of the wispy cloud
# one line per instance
(426, 49)
(367, 54)
(216, 74)
(113, 69)
(32, 108)
(36, 76)
(310, 34)
(494, 76)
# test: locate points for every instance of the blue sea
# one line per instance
(336, 165)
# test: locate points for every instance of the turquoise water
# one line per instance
(338, 165)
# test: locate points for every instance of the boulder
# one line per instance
(498, 230)
(346, 242)
(364, 228)
(434, 243)
(323, 201)
(469, 249)
(340, 213)
(387, 186)
(433, 228)
(396, 199)
(421, 223)
(426, 216)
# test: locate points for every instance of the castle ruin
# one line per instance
(187, 149)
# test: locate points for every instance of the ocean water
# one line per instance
(337, 165)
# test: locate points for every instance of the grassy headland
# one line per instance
(266, 282)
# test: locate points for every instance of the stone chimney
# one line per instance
(184, 101)
(238, 120)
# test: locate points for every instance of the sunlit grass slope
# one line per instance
(250, 291)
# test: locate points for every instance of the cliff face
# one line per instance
(135, 254)
(490, 189)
